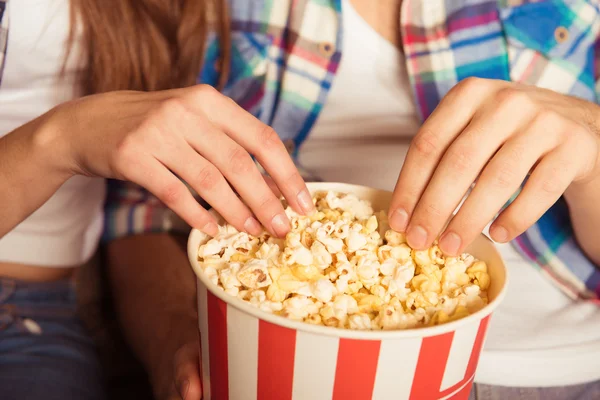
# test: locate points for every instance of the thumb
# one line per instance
(187, 372)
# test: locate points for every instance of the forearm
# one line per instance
(31, 170)
(584, 208)
(154, 291)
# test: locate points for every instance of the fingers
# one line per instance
(261, 141)
(152, 175)
(273, 186)
(458, 169)
(500, 179)
(546, 184)
(210, 184)
(461, 163)
(241, 172)
(187, 372)
(429, 145)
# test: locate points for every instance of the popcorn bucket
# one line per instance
(250, 354)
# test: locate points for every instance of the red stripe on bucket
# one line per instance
(276, 352)
(356, 369)
(217, 340)
(429, 373)
(477, 346)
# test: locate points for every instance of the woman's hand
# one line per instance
(196, 134)
(493, 133)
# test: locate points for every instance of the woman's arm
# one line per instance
(33, 165)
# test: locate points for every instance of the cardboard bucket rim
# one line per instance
(482, 241)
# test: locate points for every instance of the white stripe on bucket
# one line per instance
(242, 354)
(396, 368)
(203, 323)
(459, 356)
(314, 366)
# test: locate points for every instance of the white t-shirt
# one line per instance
(65, 230)
(538, 336)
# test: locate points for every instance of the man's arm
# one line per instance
(155, 298)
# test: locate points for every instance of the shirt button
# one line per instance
(290, 146)
(561, 34)
(326, 48)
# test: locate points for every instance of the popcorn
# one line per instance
(359, 321)
(356, 240)
(344, 304)
(254, 274)
(394, 238)
(344, 267)
(299, 307)
(322, 258)
(367, 270)
(228, 276)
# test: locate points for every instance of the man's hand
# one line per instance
(187, 372)
(494, 133)
(154, 290)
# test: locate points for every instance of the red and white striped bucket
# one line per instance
(249, 354)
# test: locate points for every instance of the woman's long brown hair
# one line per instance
(146, 44)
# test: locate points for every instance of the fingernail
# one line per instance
(252, 226)
(399, 219)
(305, 202)
(499, 233)
(450, 243)
(183, 389)
(281, 225)
(211, 229)
(416, 237)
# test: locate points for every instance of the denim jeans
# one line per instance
(44, 351)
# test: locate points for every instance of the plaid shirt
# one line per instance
(285, 59)
(3, 34)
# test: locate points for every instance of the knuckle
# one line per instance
(548, 119)
(172, 108)
(580, 136)
(425, 144)
(206, 90)
(513, 98)
(268, 139)
(208, 177)
(504, 178)
(294, 179)
(240, 162)
(429, 216)
(171, 194)
(551, 185)
(460, 158)
(470, 85)
(270, 204)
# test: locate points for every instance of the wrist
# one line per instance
(50, 146)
